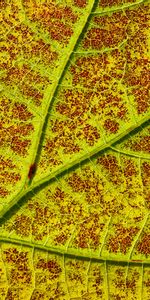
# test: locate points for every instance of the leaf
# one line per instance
(75, 150)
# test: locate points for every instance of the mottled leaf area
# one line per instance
(75, 150)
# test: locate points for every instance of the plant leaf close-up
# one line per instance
(75, 150)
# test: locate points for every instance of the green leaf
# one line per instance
(75, 143)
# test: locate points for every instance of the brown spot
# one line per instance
(109, 162)
(51, 265)
(54, 18)
(12, 293)
(111, 125)
(38, 295)
(129, 169)
(4, 192)
(76, 183)
(147, 283)
(80, 3)
(141, 98)
(61, 239)
(33, 93)
(19, 270)
(41, 50)
(111, 32)
(10, 177)
(89, 235)
(22, 225)
(59, 195)
(91, 134)
(75, 105)
(142, 145)
(20, 276)
(60, 32)
(122, 240)
(95, 38)
(105, 3)
(3, 4)
(143, 246)
(20, 146)
(145, 173)
(20, 112)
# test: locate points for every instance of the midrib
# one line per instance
(71, 253)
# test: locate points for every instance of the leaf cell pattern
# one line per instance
(75, 160)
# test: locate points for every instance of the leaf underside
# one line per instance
(75, 150)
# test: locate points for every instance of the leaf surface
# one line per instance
(75, 161)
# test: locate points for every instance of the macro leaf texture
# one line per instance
(75, 150)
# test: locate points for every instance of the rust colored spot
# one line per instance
(3, 4)
(38, 295)
(95, 38)
(20, 146)
(10, 177)
(80, 3)
(144, 245)
(60, 32)
(50, 265)
(22, 225)
(109, 162)
(91, 134)
(111, 125)
(105, 3)
(122, 240)
(20, 276)
(146, 168)
(55, 19)
(59, 195)
(32, 171)
(145, 173)
(112, 31)
(4, 192)
(131, 284)
(29, 91)
(20, 112)
(142, 145)
(76, 182)
(88, 234)
(61, 239)
(129, 169)
(136, 260)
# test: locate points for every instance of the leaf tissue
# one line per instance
(75, 150)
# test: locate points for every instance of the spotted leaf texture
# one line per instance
(75, 150)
